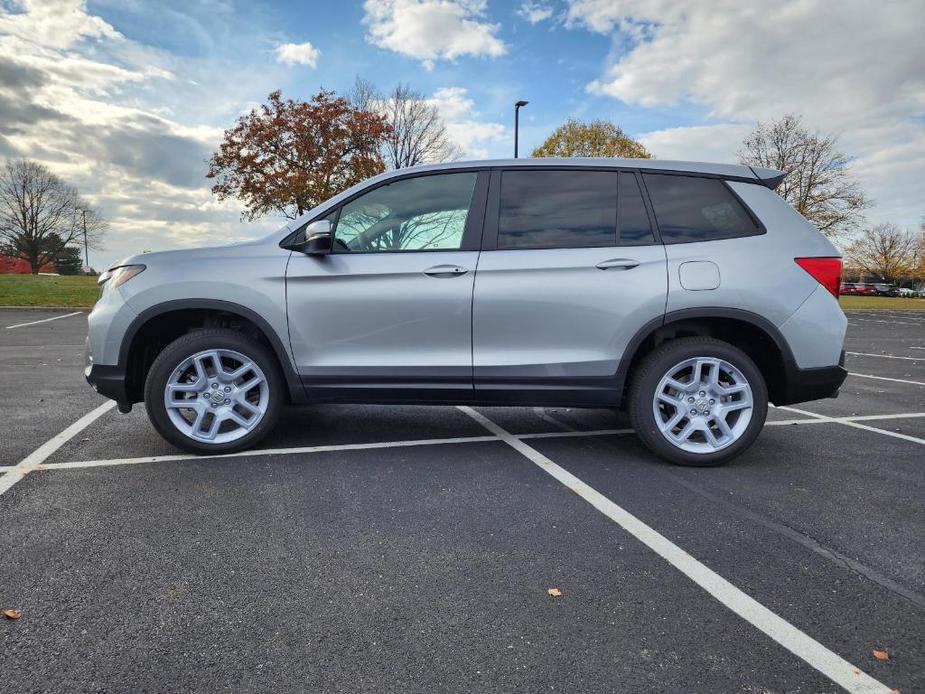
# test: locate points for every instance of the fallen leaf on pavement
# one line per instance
(881, 655)
(12, 614)
(554, 592)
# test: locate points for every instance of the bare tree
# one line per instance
(818, 182)
(40, 214)
(419, 134)
(885, 251)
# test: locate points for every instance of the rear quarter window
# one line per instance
(690, 208)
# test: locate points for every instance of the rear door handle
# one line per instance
(617, 264)
(445, 271)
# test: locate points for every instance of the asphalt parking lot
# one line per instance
(412, 549)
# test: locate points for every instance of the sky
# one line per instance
(127, 99)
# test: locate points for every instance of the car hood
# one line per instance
(192, 254)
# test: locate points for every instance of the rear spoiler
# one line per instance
(770, 178)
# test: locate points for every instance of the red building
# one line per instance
(17, 266)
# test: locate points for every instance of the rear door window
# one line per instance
(557, 209)
(690, 208)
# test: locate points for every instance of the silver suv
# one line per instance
(691, 294)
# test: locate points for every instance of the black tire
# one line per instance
(655, 365)
(198, 341)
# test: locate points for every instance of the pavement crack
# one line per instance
(806, 541)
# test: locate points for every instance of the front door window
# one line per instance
(425, 213)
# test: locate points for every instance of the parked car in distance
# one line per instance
(688, 293)
(861, 289)
(884, 289)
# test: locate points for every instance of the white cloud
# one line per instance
(535, 12)
(430, 30)
(717, 143)
(851, 68)
(82, 99)
(463, 123)
(55, 23)
(297, 54)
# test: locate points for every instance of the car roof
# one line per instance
(768, 177)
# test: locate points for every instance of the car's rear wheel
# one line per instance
(698, 401)
(214, 391)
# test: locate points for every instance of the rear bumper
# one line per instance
(802, 385)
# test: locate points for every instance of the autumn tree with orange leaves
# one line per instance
(289, 156)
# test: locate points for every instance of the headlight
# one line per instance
(118, 276)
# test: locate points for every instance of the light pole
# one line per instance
(517, 107)
(86, 252)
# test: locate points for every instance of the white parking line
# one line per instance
(811, 418)
(76, 464)
(44, 320)
(890, 322)
(787, 635)
(41, 453)
(884, 356)
(851, 422)
(886, 378)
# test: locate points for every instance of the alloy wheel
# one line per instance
(703, 405)
(216, 396)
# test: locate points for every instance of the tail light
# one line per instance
(826, 271)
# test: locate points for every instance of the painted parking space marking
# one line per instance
(887, 378)
(850, 422)
(890, 322)
(787, 635)
(810, 418)
(44, 320)
(884, 356)
(41, 454)
(262, 452)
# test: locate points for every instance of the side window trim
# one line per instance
(650, 211)
(492, 212)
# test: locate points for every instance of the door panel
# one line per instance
(551, 322)
(551, 319)
(377, 319)
(388, 314)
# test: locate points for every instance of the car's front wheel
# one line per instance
(214, 391)
(698, 401)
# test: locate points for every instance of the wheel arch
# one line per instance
(755, 335)
(154, 328)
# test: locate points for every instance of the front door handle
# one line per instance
(617, 264)
(445, 271)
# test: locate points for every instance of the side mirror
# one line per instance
(316, 239)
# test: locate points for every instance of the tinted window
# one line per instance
(634, 221)
(414, 214)
(557, 209)
(688, 208)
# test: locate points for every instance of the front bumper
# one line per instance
(108, 381)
